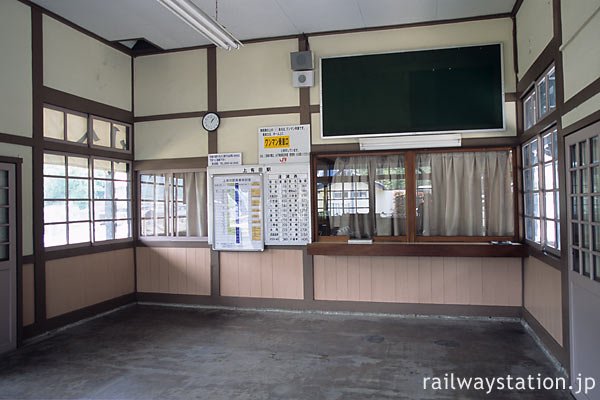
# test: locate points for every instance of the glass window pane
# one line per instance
(558, 235)
(79, 211)
(554, 143)
(4, 235)
(79, 188)
(121, 171)
(147, 227)
(121, 137)
(102, 189)
(147, 178)
(526, 156)
(585, 263)
(596, 209)
(556, 176)
(77, 127)
(536, 231)
(528, 204)
(4, 196)
(574, 214)
(585, 236)
(573, 156)
(101, 132)
(160, 209)
(4, 216)
(536, 204)
(528, 229)
(527, 180)
(535, 178)
(585, 208)
(574, 189)
(548, 176)
(551, 90)
(575, 234)
(550, 205)
(55, 188)
(122, 209)
(78, 167)
(542, 105)
(594, 143)
(147, 191)
(54, 164)
(103, 210)
(4, 252)
(529, 111)
(534, 152)
(160, 227)
(547, 143)
(550, 233)
(122, 229)
(55, 211)
(102, 169)
(54, 124)
(575, 260)
(79, 232)
(582, 153)
(596, 238)
(147, 209)
(595, 179)
(3, 178)
(121, 190)
(557, 204)
(583, 174)
(103, 231)
(55, 235)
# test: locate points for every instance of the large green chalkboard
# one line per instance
(439, 90)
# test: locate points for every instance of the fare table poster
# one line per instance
(238, 212)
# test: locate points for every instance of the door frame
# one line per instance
(18, 163)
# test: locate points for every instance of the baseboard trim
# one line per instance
(546, 341)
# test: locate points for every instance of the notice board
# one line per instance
(237, 207)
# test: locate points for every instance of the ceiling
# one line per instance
(117, 20)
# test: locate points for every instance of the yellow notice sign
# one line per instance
(276, 142)
(256, 233)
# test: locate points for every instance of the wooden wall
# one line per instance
(268, 274)
(77, 282)
(173, 270)
(28, 295)
(543, 296)
(437, 280)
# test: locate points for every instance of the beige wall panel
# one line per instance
(155, 271)
(583, 110)
(78, 64)
(78, 282)
(279, 274)
(425, 280)
(534, 31)
(173, 138)
(24, 152)
(142, 269)
(543, 296)
(15, 64)
(170, 83)
(240, 134)
(450, 280)
(164, 266)
(581, 54)
(426, 37)
(28, 295)
(256, 76)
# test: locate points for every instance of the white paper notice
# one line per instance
(288, 209)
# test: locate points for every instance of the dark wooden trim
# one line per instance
(340, 306)
(304, 93)
(551, 344)
(11, 160)
(19, 244)
(419, 249)
(540, 127)
(16, 139)
(42, 10)
(76, 103)
(544, 60)
(545, 257)
(315, 108)
(582, 96)
(170, 163)
(510, 97)
(86, 250)
(215, 274)
(29, 259)
(499, 141)
(187, 244)
(308, 276)
(516, 7)
(67, 147)
(162, 117)
(37, 60)
(581, 124)
(74, 316)
(557, 21)
(331, 148)
(260, 111)
(514, 42)
(211, 71)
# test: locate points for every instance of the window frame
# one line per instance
(542, 191)
(93, 117)
(88, 151)
(166, 237)
(533, 93)
(411, 195)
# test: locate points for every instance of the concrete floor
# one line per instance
(150, 352)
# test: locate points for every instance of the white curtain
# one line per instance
(470, 193)
(390, 213)
(195, 198)
(352, 174)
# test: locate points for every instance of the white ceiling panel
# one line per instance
(245, 19)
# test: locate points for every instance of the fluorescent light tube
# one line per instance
(198, 20)
(410, 142)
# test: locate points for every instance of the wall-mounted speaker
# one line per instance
(301, 60)
(303, 78)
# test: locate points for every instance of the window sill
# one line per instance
(173, 242)
(420, 249)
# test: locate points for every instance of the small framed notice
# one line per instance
(284, 144)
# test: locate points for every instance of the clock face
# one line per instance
(210, 122)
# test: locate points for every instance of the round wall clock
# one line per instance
(211, 121)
